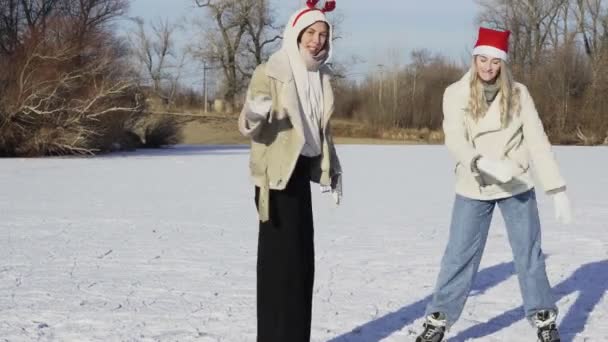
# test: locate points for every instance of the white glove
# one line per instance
(336, 191)
(563, 211)
(259, 108)
(495, 168)
(335, 188)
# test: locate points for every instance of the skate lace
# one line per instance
(546, 335)
(430, 332)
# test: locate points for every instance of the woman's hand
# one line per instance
(259, 108)
(335, 188)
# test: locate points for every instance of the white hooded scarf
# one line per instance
(308, 83)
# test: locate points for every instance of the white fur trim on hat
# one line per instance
(490, 51)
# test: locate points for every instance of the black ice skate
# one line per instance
(434, 328)
(547, 329)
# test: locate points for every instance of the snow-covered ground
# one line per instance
(161, 246)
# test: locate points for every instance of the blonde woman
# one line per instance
(493, 131)
(286, 115)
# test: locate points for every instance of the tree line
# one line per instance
(74, 82)
(558, 48)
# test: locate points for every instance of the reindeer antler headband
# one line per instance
(329, 6)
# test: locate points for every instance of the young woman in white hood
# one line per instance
(286, 115)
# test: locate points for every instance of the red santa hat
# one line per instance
(492, 43)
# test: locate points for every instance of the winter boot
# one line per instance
(434, 328)
(545, 323)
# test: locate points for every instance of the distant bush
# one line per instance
(67, 85)
(162, 131)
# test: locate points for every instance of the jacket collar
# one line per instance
(488, 123)
(491, 121)
(278, 67)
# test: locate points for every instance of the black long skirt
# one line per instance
(285, 266)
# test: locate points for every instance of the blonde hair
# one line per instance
(509, 101)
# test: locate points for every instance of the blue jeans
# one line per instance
(468, 234)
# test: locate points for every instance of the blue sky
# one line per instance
(377, 31)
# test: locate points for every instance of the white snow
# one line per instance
(160, 245)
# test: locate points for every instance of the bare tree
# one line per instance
(242, 31)
(91, 15)
(66, 87)
(231, 19)
(18, 17)
(592, 24)
(157, 56)
(261, 30)
(531, 23)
